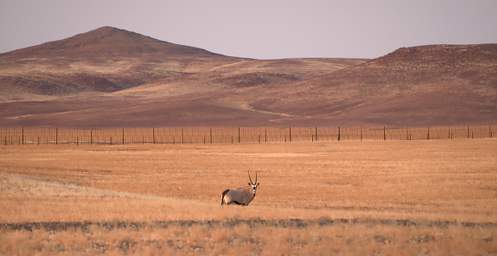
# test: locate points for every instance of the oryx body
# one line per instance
(240, 196)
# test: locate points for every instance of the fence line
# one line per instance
(232, 135)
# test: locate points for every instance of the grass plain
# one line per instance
(436, 197)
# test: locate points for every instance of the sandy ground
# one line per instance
(436, 197)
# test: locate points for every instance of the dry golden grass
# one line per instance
(436, 197)
(245, 239)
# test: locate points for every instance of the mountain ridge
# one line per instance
(97, 41)
(74, 79)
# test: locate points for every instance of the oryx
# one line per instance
(240, 196)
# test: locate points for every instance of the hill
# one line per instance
(104, 60)
(108, 42)
(113, 77)
(434, 84)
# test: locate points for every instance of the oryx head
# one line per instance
(253, 185)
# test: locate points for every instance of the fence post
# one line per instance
(123, 136)
(290, 134)
(91, 136)
(468, 132)
(338, 137)
(153, 135)
(210, 135)
(77, 141)
(259, 139)
(239, 135)
(384, 133)
(38, 140)
(361, 133)
(490, 131)
(22, 134)
(56, 136)
(265, 135)
(5, 140)
(182, 136)
(428, 134)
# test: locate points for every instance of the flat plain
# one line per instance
(436, 197)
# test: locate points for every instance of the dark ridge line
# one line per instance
(256, 222)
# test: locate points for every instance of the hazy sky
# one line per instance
(260, 28)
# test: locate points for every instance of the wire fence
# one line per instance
(233, 135)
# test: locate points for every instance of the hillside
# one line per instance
(425, 85)
(108, 42)
(104, 60)
(113, 77)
